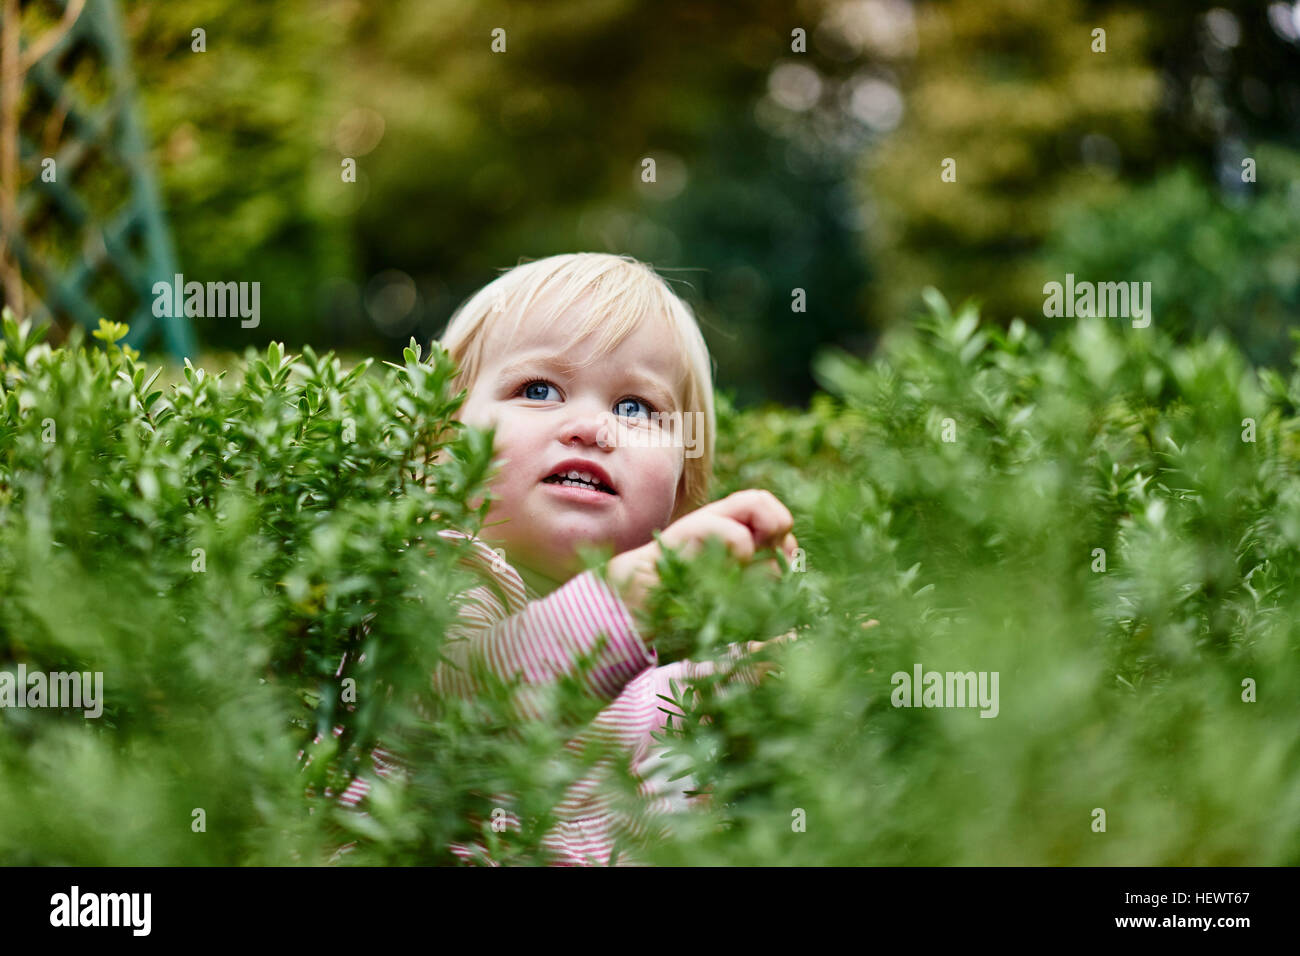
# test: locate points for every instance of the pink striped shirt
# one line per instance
(506, 629)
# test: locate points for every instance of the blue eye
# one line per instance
(632, 407)
(532, 389)
(540, 390)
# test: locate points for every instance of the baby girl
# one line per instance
(584, 364)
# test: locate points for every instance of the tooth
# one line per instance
(578, 479)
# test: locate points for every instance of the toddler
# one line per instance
(585, 364)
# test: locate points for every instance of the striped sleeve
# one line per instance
(546, 640)
(736, 668)
(666, 686)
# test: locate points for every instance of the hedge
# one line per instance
(1107, 521)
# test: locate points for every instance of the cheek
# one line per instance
(478, 411)
(484, 414)
(659, 472)
(516, 439)
(505, 445)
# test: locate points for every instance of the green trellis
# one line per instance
(128, 246)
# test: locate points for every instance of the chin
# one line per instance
(563, 548)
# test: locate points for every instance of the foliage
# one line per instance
(468, 160)
(1120, 689)
(1011, 104)
(234, 560)
(1042, 126)
(777, 170)
(1213, 262)
(241, 135)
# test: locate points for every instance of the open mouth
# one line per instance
(578, 479)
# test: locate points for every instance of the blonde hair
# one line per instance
(624, 294)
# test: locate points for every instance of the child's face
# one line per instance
(550, 407)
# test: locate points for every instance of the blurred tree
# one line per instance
(776, 169)
(243, 133)
(488, 158)
(1013, 93)
(1213, 262)
(1043, 128)
(1230, 79)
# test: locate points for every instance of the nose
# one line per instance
(585, 424)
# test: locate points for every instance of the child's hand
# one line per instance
(747, 522)
(763, 668)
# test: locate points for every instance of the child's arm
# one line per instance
(545, 640)
(736, 666)
(542, 641)
(665, 691)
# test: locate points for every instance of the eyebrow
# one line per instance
(650, 386)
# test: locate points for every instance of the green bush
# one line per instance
(217, 554)
(955, 489)
(1214, 261)
(1120, 689)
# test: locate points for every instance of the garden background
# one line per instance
(1106, 515)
